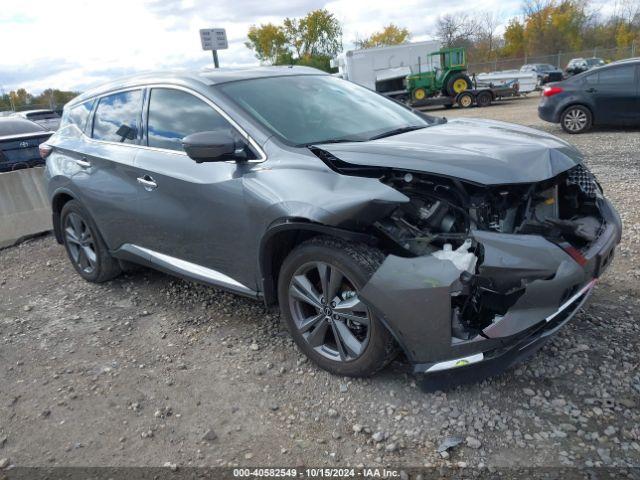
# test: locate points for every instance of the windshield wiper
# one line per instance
(331, 140)
(398, 131)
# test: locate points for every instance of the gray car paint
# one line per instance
(215, 215)
(481, 151)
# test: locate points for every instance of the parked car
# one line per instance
(545, 71)
(48, 119)
(579, 65)
(19, 142)
(375, 228)
(608, 95)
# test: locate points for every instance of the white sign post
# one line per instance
(214, 39)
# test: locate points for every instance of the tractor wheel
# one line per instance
(465, 100)
(457, 83)
(419, 94)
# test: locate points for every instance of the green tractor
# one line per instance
(450, 78)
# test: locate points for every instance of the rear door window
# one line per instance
(174, 114)
(614, 77)
(117, 117)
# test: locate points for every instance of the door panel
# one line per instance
(615, 94)
(188, 211)
(109, 189)
(106, 176)
(196, 213)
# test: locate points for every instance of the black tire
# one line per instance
(484, 99)
(450, 90)
(465, 100)
(103, 267)
(357, 262)
(576, 119)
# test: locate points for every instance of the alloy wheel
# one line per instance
(80, 243)
(575, 120)
(327, 312)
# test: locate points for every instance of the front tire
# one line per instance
(86, 250)
(465, 100)
(419, 94)
(576, 119)
(318, 289)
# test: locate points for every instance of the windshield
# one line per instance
(594, 61)
(311, 109)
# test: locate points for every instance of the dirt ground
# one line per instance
(148, 369)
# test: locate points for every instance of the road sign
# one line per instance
(213, 38)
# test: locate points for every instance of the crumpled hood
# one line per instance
(481, 151)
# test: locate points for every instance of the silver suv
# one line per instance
(378, 230)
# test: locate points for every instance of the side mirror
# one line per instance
(213, 146)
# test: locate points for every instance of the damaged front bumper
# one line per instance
(413, 298)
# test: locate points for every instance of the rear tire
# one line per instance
(576, 119)
(457, 83)
(335, 343)
(484, 99)
(85, 247)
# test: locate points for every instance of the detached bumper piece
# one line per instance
(524, 289)
(452, 373)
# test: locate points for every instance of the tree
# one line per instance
(319, 33)
(552, 26)
(456, 30)
(269, 42)
(49, 98)
(21, 97)
(312, 40)
(389, 35)
(514, 43)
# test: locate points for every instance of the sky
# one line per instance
(75, 44)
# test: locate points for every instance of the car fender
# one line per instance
(573, 100)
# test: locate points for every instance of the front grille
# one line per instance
(584, 179)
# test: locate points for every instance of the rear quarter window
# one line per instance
(77, 115)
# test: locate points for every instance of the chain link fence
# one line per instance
(559, 59)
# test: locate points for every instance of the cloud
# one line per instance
(77, 43)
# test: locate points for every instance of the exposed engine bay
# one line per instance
(443, 213)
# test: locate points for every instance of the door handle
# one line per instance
(147, 182)
(83, 163)
(591, 90)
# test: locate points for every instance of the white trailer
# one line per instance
(527, 81)
(384, 68)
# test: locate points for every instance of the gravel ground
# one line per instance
(148, 369)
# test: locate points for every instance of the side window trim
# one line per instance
(262, 156)
(145, 118)
(88, 128)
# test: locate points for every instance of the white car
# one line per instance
(45, 118)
